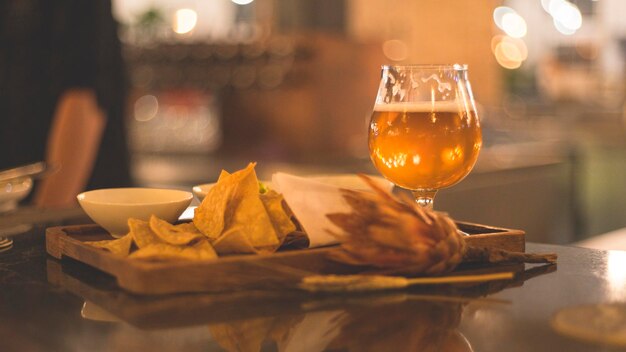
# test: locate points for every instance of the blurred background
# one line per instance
(291, 84)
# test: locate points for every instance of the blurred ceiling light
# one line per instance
(562, 29)
(185, 21)
(495, 41)
(510, 21)
(242, 2)
(554, 5)
(499, 12)
(518, 43)
(566, 15)
(509, 52)
(395, 50)
(504, 62)
(146, 108)
(514, 25)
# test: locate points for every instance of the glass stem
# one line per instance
(425, 197)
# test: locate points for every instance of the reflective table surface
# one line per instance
(52, 305)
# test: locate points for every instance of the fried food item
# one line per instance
(178, 235)
(213, 213)
(142, 234)
(169, 242)
(119, 246)
(201, 250)
(249, 217)
(233, 241)
(239, 215)
(250, 213)
(273, 203)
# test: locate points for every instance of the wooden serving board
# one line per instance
(281, 269)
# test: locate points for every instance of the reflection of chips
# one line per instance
(253, 334)
(199, 251)
(120, 246)
(243, 335)
(174, 234)
(142, 233)
(283, 328)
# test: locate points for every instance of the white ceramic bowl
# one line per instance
(349, 181)
(111, 207)
(12, 191)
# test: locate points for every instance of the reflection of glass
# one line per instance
(424, 132)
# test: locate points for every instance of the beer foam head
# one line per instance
(440, 106)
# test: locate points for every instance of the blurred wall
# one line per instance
(435, 31)
(320, 111)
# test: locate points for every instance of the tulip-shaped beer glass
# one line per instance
(424, 133)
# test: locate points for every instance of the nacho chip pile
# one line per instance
(237, 216)
(159, 240)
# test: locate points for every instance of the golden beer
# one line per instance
(424, 146)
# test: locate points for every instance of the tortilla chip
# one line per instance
(223, 174)
(176, 235)
(188, 227)
(163, 251)
(250, 214)
(273, 202)
(214, 211)
(234, 241)
(142, 234)
(119, 246)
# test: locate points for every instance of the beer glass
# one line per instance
(424, 133)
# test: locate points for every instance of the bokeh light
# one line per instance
(510, 21)
(563, 29)
(395, 50)
(242, 2)
(514, 25)
(146, 108)
(509, 52)
(566, 16)
(185, 21)
(499, 12)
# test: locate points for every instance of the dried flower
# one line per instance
(384, 231)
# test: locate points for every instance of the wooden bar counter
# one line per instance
(63, 305)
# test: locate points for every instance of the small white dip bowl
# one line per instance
(112, 207)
